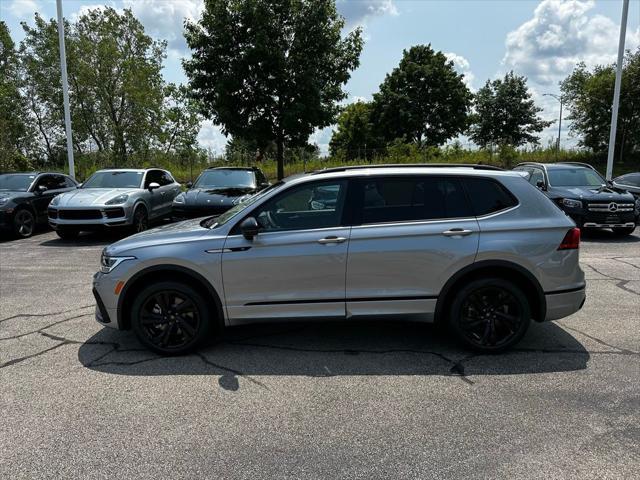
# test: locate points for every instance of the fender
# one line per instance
(469, 269)
(168, 268)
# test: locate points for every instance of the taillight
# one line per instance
(571, 240)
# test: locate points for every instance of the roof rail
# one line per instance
(579, 164)
(407, 165)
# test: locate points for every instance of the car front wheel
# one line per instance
(490, 315)
(140, 220)
(170, 318)
(24, 223)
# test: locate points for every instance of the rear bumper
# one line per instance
(564, 303)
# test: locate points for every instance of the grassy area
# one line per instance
(185, 169)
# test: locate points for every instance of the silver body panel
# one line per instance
(393, 269)
(157, 202)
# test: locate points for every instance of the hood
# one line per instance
(166, 234)
(204, 197)
(603, 194)
(86, 197)
(12, 193)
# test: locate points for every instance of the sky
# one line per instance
(540, 39)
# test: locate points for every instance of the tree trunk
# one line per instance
(280, 156)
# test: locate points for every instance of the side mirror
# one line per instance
(540, 185)
(153, 186)
(188, 184)
(249, 228)
(41, 189)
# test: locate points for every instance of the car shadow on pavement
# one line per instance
(336, 349)
(87, 239)
(608, 236)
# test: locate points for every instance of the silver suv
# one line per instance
(114, 198)
(480, 250)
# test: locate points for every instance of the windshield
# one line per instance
(574, 177)
(16, 182)
(217, 221)
(631, 180)
(225, 179)
(114, 180)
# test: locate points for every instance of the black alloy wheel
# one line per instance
(140, 220)
(170, 318)
(24, 223)
(490, 315)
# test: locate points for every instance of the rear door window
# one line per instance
(488, 195)
(402, 199)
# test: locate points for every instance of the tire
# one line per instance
(166, 327)
(623, 231)
(490, 315)
(140, 219)
(68, 233)
(24, 223)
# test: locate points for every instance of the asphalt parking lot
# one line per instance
(350, 400)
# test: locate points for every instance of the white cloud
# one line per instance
(547, 47)
(165, 19)
(210, 136)
(357, 12)
(24, 8)
(462, 66)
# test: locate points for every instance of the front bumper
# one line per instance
(90, 218)
(564, 303)
(106, 313)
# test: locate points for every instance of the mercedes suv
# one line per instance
(478, 249)
(581, 192)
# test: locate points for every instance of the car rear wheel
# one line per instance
(24, 223)
(140, 219)
(490, 315)
(170, 318)
(623, 231)
(67, 233)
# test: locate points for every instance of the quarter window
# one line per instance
(488, 196)
(397, 199)
(305, 207)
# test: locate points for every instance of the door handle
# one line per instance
(457, 232)
(331, 239)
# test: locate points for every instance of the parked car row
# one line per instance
(118, 198)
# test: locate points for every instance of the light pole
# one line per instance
(65, 89)
(616, 89)
(558, 98)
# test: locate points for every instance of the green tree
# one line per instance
(423, 100)
(588, 95)
(505, 115)
(116, 88)
(355, 135)
(180, 121)
(14, 127)
(270, 70)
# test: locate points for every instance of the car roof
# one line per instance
(127, 169)
(249, 169)
(407, 169)
(552, 166)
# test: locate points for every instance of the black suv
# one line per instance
(584, 195)
(216, 190)
(24, 198)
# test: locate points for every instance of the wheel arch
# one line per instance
(510, 271)
(160, 273)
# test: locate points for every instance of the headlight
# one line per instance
(118, 200)
(179, 198)
(55, 201)
(4, 200)
(567, 202)
(107, 263)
